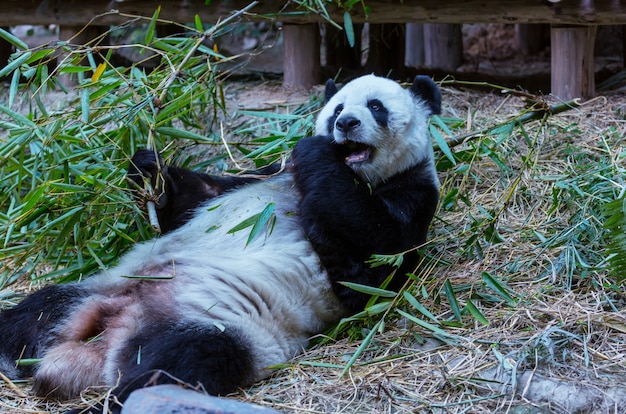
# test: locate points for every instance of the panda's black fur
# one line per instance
(219, 309)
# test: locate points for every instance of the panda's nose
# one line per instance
(347, 123)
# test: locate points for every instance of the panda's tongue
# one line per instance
(357, 152)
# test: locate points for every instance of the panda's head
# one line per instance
(382, 127)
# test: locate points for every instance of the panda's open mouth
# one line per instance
(357, 152)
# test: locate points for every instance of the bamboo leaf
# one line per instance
(454, 304)
(152, 26)
(198, 23)
(14, 64)
(442, 144)
(13, 88)
(12, 39)
(258, 222)
(369, 290)
(349, 28)
(182, 134)
(499, 287)
(476, 313)
(362, 347)
(419, 307)
(262, 222)
(434, 329)
(98, 72)
(84, 101)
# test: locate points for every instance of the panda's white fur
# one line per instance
(268, 296)
(217, 279)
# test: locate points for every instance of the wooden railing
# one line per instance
(572, 33)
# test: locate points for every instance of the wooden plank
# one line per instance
(443, 46)
(572, 74)
(414, 52)
(75, 12)
(301, 66)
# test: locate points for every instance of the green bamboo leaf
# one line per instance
(152, 26)
(349, 28)
(63, 236)
(14, 64)
(441, 142)
(362, 347)
(378, 308)
(434, 329)
(15, 83)
(258, 222)
(499, 287)
(454, 304)
(438, 120)
(39, 55)
(12, 39)
(198, 23)
(75, 69)
(369, 290)
(419, 307)
(394, 260)
(179, 133)
(476, 313)
(264, 221)
(84, 101)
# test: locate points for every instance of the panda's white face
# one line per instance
(383, 127)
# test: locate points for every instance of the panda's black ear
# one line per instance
(424, 88)
(330, 91)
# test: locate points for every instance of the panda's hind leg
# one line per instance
(185, 352)
(32, 325)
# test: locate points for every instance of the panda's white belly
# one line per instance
(274, 289)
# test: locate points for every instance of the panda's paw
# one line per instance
(313, 150)
(145, 166)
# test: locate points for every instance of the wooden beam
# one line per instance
(105, 12)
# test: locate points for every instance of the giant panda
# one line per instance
(205, 303)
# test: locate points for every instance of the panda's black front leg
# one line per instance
(336, 204)
(345, 221)
(178, 191)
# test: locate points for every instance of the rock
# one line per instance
(164, 399)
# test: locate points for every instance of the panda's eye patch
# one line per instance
(338, 109)
(375, 105)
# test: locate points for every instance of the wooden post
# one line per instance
(443, 46)
(572, 61)
(529, 38)
(301, 53)
(414, 53)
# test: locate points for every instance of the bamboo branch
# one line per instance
(165, 85)
(523, 118)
